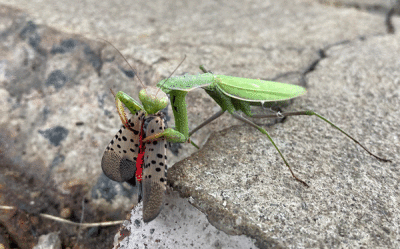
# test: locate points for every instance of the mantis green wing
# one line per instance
(255, 90)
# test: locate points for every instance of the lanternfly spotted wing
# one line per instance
(127, 158)
(119, 158)
(154, 170)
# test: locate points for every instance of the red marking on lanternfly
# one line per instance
(127, 125)
(139, 159)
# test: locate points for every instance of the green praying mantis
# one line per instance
(137, 153)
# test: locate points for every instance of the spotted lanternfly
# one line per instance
(129, 158)
(119, 158)
(154, 168)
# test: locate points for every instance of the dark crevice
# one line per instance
(322, 54)
(368, 7)
(312, 66)
(388, 20)
(378, 9)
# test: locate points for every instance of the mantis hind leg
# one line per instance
(312, 113)
(273, 143)
(218, 114)
(209, 120)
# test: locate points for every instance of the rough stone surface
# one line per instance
(57, 114)
(353, 199)
(49, 241)
(179, 225)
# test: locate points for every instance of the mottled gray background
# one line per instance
(57, 116)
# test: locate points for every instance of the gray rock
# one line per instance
(54, 81)
(49, 241)
(179, 225)
(352, 199)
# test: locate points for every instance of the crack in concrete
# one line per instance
(388, 21)
(369, 7)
